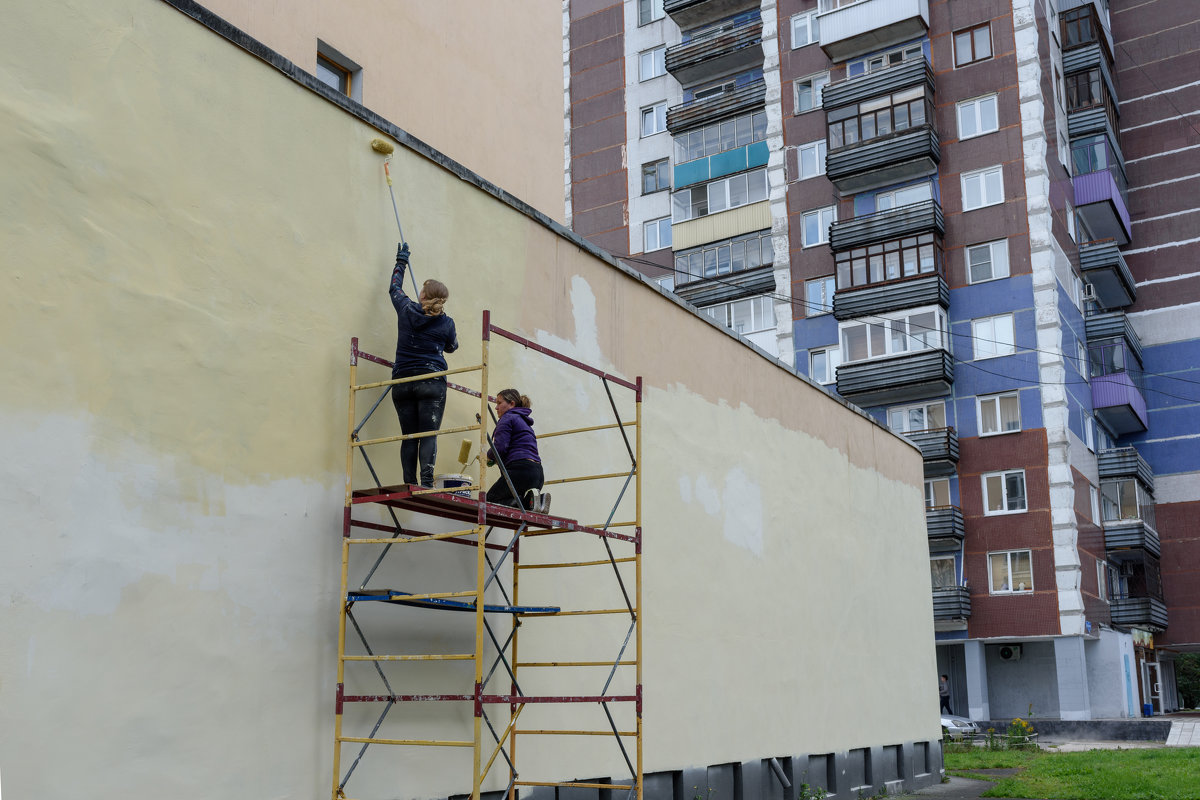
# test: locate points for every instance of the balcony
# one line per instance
(952, 603)
(715, 53)
(851, 28)
(689, 14)
(891, 296)
(946, 529)
(1094, 116)
(897, 158)
(1085, 42)
(1125, 462)
(747, 283)
(939, 448)
(1101, 206)
(1139, 612)
(1101, 325)
(697, 113)
(1115, 359)
(912, 376)
(1119, 403)
(1131, 535)
(1104, 268)
(896, 223)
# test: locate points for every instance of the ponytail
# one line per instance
(515, 398)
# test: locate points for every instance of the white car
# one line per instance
(958, 727)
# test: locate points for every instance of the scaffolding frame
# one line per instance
(486, 519)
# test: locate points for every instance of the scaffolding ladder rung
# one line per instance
(610, 426)
(591, 612)
(575, 663)
(563, 564)
(577, 783)
(598, 477)
(572, 733)
(404, 598)
(406, 436)
(430, 657)
(407, 742)
(395, 381)
(433, 537)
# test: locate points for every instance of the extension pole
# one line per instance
(386, 148)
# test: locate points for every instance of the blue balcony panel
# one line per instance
(1099, 203)
(1119, 403)
(716, 166)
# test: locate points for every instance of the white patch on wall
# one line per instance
(706, 493)
(685, 489)
(743, 511)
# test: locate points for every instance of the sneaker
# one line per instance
(531, 500)
(543, 506)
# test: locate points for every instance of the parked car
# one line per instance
(958, 727)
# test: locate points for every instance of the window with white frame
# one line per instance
(894, 333)
(987, 261)
(1102, 579)
(656, 234)
(919, 417)
(652, 63)
(1081, 359)
(1070, 211)
(1125, 500)
(1010, 572)
(942, 572)
(649, 11)
(720, 195)
(977, 117)
(823, 364)
(752, 315)
(906, 196)
(806, 29)
(811, 159)
(1094, 497)
(999, 413)
(993, 336)
(1089, 431)
(874, 63)
(818, 296)
(808, 92)
(723, 257)
(981, 188)
(656, 176)
(654, 119)
(937, 493)
(1004, 492)
(815, 225)
(721, 136)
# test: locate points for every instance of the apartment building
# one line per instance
(974, 219)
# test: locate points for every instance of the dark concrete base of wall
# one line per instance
(1108, 730)
(845, 775)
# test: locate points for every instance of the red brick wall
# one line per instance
(1179, 529)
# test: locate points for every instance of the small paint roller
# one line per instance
(464, 452)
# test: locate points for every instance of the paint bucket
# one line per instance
(452, 479)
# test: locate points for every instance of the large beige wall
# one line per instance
(480, 81)
(183, 273)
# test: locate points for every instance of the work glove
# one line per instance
(402, 255)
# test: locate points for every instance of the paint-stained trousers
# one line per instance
(420, 406)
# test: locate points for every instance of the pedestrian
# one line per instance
(514, 445)
(424, 333)
(944, 693)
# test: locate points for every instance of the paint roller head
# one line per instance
(464, 451)
(382, 147)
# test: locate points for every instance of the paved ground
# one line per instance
(1184, 733)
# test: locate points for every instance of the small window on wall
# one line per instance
(973, 44)
(808, 92)
(649, 11)
(1010, 572)
(823, 364)
(993, 336)
(1000, 413)
(806, 29)
(1094, 498)
(984, 187)
(338, 72)
(1004, 492)
(909, 195)
(920, 417)
(657, 234)
(1102, 580)
(655, 176)
(818, 296)
(816, 225)
(811, 159)
(652, 63)
(654, 119)
(987, 262)
(977, 117)
(937, 493)
(941, 571)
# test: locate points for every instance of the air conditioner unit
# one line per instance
(1010, 652)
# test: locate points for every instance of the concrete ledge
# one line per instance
(1111, 730)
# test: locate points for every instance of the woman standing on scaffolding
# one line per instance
(423, 333)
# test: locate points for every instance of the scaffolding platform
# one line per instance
(494, 533)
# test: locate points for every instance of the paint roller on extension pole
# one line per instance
(386, 148)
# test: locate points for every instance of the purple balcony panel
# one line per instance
(1099, 201)
(1119, 404)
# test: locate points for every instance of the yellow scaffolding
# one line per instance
(490, 521)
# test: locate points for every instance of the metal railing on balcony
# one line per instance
(715, 52)
(883, 225)
(951, 603)
(701, 112)
(939, 449)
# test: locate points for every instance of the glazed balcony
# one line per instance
(900, 157)
(946, 529)
(697, 113)
(851, 28)
(1131, 535)
(953, 603)
(1139, 612)
(939, 448)
(891, 296)
(1119, 403)
(1100, 203)
(716, 52)
(911, 376)
(1104, 268)
(1090, 106)
(895, 223)
(1125, 462)
(1099, 326)
(689, 14)
(1085, 42)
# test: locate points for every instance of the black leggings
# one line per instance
(419, 405)
(526, 474)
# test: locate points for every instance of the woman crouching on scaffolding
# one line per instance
(423, 333)
(514, 445)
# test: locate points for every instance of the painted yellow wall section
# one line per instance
(190, 241)
(447, 72)
(722, 225)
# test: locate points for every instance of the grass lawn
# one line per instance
(1156, 774)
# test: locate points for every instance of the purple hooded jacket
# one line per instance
(513, 438)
